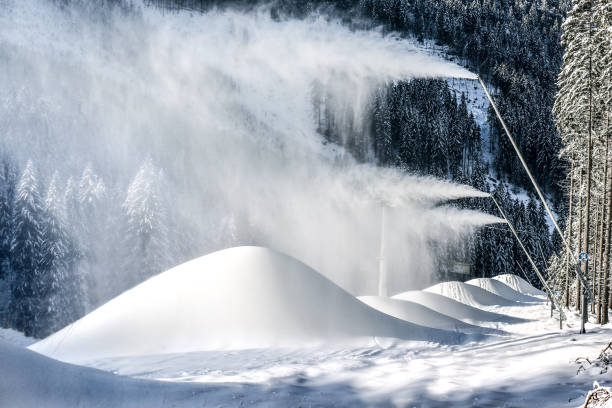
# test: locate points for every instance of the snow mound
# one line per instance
(453, 308)
(519, 284)
(246, 297)
(469, 294)
(418, 314)
(501, 289)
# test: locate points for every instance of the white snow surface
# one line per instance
(469, 294)
(501, 289)
(534, 367)
(154, 345)
(455, 309)
(14, 337)
(245, 297)
(418, 314)
(519, 284)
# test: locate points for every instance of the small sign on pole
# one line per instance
(461, 268)
(583, 256)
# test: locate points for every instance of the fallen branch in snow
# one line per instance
(603, 361)
(599, 397)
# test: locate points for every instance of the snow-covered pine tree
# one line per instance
(8, 184)
(73, 226)
(60, 261)
(90, 196)
(581, 106)
(28, 308)
(602, 40)
(146, 226)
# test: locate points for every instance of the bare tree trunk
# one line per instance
(603, 236)
(568, 257)
(587, 224)
(587, 206)
(596, 253)
(603, 298)
(598, 213)
(580, 240)
(605, 301)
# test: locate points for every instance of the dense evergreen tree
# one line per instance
(90, 225)
(8, 183)
(28, 307)
(146, 226)
(59, 262)
(582, 110)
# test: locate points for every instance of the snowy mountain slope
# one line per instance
(236, 298)
(501, 289)
(418, 314)
(469, 294)
(519, 284)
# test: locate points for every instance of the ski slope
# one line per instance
(246, 297)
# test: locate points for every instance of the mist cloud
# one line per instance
(223, 102)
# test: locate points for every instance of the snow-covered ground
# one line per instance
(512, 355)
(14, 337)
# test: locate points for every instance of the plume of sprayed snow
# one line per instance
(224, 103)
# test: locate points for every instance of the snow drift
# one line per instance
(453, 308)
(469, 294)
(30, 380)
(501, 289)
(236, 298)
(418, 314)
(519, 284)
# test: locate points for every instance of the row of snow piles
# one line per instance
(453, 308)
(485, 292)
(250, 297)
(497, 287)
(244, 297)
(518, 284)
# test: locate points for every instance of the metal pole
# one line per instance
(382, 273)
(546, 287)
(535, 184)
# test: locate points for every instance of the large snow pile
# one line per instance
(519, 284)
(453, 308)
(469, 294)
(236, 298)
(418, 314)
(499, 288)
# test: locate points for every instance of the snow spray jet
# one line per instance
(223, 102)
